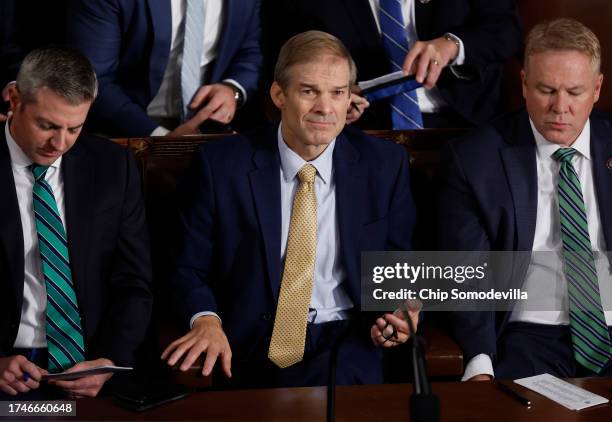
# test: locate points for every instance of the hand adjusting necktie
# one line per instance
(405, 111)
(64, 333)
(289, 333)
(590, 336)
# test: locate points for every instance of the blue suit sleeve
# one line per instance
(246, 64)
(95, 30)
(462, 229)
(192, 284)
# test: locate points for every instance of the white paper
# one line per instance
(102, 369)
(381, 79)
(562, 392)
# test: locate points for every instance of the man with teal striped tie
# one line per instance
(74, 260)
(540, 181)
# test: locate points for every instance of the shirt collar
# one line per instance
(582, 144)
(291, 162)
(18, 158)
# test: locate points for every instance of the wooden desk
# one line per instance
(459, 402)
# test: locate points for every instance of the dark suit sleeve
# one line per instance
(192, 284)
(402, 214)
(461, 228)
(246, 65)
(94, 29)
(130, 299)
(492, 34)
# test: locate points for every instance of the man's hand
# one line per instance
(12, 375)
(214, 102)
(356, 108)
(206, 335)
(88, 386)
(481, 377)
(426, 59)
(392, 329)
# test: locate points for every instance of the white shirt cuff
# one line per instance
(460, 59)
(479, 365)
(199, 314)
(160, 131)
(237, 85)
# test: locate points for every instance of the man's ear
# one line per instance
(277, 95)
(14, 96)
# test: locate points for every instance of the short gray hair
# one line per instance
(563, 34)
(306, 47)
(63, 70)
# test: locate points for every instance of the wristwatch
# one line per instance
(238, 97)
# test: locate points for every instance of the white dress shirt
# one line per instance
(430, 100)
(545, 281)
(32, 332)
(167, 101)
(329, 301)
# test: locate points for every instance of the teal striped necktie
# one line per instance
(590, 336)
(64, 333)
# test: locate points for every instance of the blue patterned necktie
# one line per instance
(405, 111)
(590, 336)
(63, 325)
(193, 43)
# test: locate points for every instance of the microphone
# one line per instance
(424, 405)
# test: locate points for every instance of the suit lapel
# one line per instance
(11, 236)
(161, 17)
(265, 185)
(361, 13)
(350, 175)
(520, 166)
(78, 172)
(601, 151)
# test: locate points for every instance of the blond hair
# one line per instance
(307, 47)
(563, 34)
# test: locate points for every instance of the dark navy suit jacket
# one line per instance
(230, 259)
(128, 43)
(489, 202)
(108, 245)
(489, 29)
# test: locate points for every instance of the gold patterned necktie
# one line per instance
(289, 334)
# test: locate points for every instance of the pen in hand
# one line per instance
(516, 396)
(31, 358)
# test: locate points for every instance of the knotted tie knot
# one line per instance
(307, 173)
(38, 171)
(564, 155)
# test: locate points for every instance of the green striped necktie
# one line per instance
(590, 336)
(64, 332)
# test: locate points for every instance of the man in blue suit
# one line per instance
(250, 258)
(137, 50)
(457, 48)
(540, 180)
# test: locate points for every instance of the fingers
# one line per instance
(200, 96)
(425, 61)
(33, 371)
(226, 363)
(356, 108)
(220, 105)
(8, 389)
(174, 345)
(84, 387)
